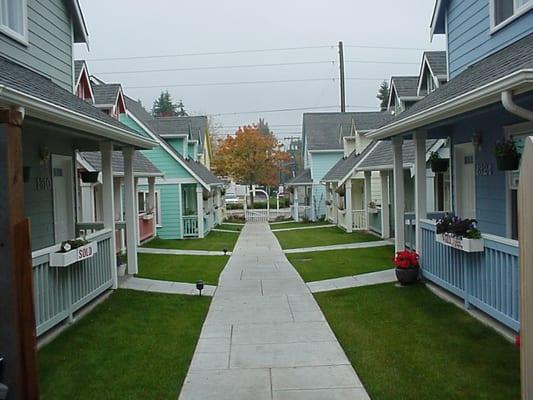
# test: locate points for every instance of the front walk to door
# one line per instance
(265, 336)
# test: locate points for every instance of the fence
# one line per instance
(190, 226)
(61, 291)
(360, 220)
(253, 215)
(488, 280)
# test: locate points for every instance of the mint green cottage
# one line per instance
(189, 198)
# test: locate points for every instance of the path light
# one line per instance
(200, 286)
(225, 250)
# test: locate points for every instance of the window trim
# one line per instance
(22, 38)
(517, 13)
(157, 195)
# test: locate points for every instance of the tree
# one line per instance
(263, 127)
(181, 110)
(383, 95)
(163, 106)
(250, 157)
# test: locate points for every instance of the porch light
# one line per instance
(200, 286)
(44, 155)
(476, 140)
(225, 250)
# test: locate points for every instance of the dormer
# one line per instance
(82, 81)
(403, 93)
(433, 72)
(109, 98)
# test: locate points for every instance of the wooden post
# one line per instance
(132, 218)
(525, 218)
(399, 199)
(420, 186)
(200, 209)
(17, 319)
(295, 204)
(348, 208)
(117, 200)
(385, 211)
(151, 202)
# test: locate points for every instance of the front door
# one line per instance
(465, 179)
(62, 183)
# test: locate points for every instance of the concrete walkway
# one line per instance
(372, 278)
(361, 245)
(155, 286)
(265, 337)
(149, 250)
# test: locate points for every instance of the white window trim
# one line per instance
(158, 206)
(517, 13)
(21, 38)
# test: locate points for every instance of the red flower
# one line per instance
(405, 259)
(517, 340)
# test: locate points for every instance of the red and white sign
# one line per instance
(73, 256)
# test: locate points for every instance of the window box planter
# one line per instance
(148, 217)
(439, 165)
(373, 210)
(89, 176)
(73, 256)
(460, 243)
(508, 162)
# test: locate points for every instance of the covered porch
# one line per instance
(201, 209)
(300, 190)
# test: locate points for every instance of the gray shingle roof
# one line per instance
(141, 165)
(31, 83)
(437, 62)
(105, 94)
(346, 164)
(515, 57)
(406, 86)
(381, 155)
(195, 125)
(302, 178)
(324, 131)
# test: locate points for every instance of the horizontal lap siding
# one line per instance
(170, 212)
(469, 37)
(320, 164)
(50, 42)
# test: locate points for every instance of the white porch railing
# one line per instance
(190, 226)
(256, 215)
(304, 212)
(360, 220)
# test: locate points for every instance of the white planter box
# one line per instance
(148, 216)
(73, 256)
(467, 245)
(373, 210)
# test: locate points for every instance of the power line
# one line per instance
(209, 53)
(360, 46)
(214, 67)
(288, 109)
(381, 62)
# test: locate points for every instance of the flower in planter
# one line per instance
(372, 205)
(72, 244)
(438, 164)
(507, 155)
(406, 259)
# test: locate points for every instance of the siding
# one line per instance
(469, 37)
(49, 51)
(320, 164)
(179, 144)
(191, 151)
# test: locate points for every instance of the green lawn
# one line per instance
(214, 241)
(319, 265)
(320, 237)
(406, 343)
(181, 268)
(236, 228)
(135, 345)
(298, 224)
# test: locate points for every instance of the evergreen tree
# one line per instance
(163, 106)
(263, 127)
(383, 95)
(181, 110)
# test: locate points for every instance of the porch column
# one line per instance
(108, 204)
(151, 202)
(117, 201)
(136, 191)
(385, 211)
(312, 215)
(399, 192)
(130, 202)
(200, 209)
(348, 208)
(420, 185)
(17, 331)
(295, 203)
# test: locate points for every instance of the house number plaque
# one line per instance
(484, 169)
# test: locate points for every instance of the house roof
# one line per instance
(324, 131)
(78, 66)
(405, 86)
(303, 178)
(190, 125)
(141, 165)
(106, 94)
(437, 62)
(81, 35)
(381, 156)
(345, 165)
(467, 86)
(32, 85)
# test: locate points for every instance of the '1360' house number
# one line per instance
(484, 169)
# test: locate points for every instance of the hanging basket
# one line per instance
(341, 191)
(439, 165)
(508, 162)
(89, 176)
(205, 195)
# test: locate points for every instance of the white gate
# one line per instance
(252, 215)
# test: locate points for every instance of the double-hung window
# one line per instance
(13, 20)
(504, 11)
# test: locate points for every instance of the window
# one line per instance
(13, 19)
(145, 208)
(504, 11)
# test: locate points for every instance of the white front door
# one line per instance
(465, 180)
(62, 182)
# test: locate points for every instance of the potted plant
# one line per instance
(461, 234)
(437, 163)
(407, 267)
(372, 207)
(507, 155)
(341, 191)
(223, 191)
(205, 195)
(89, 176)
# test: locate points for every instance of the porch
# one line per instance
(201, 210)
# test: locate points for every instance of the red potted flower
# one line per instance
(407, 267)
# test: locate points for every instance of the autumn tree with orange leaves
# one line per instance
(251, 157)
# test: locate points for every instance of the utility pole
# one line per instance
(341, 78)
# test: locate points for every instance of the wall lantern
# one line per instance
(476, 140)
(44, 155)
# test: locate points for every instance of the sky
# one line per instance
(129, 40)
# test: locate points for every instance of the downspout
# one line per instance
(509, 104)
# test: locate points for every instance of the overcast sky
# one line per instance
(135, 28)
